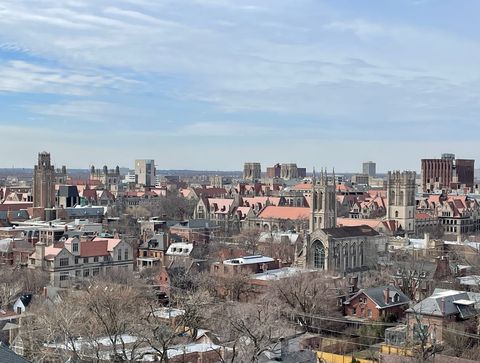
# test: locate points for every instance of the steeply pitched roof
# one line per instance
(293, 213)
(354, 231)
(7, 355)
(377, 295)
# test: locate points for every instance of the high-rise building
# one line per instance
(401, 199)
(447, 173)
(145, 172)
(369, 168)
(44, 182)
(252, 171)
(274, 171)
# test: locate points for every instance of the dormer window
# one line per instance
(75, 247)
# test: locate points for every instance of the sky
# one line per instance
(210, 84)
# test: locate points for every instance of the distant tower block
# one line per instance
(401, 199)
(252, 171)
(44, 182)
(369, 168)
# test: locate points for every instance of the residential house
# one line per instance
(375, 303)
(444, 310)
(152, 252)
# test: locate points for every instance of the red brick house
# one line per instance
(376, 303)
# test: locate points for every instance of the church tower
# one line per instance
(401, 199)
(323, 206)
(44, 182)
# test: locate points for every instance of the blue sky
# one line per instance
(209, 84)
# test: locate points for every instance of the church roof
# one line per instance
(353, 231)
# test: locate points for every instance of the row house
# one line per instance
(79, 259)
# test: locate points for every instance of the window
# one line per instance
(318, 255)
(77, 273)
(64, 261)
(354, 311)
(85, 260)
(126, 254)
(76, 260)
(119, 256)
(86, 272)
(95, 271)
(369, 312)
(64, 277)
(396, 214)
(95, 259)
(75, 247)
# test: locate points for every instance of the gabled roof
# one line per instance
(344, 232)
(93, 248)
(7, 355)
(293, 213)
(448, 302)
(377, 295)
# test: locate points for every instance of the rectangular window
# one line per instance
(85, 260)
(126, 253)
(95, 271)
(75, 247)
(86, 272)
(64, 277)
(119, 256)
(354, 311)
(77, 273)
(76, 260)
(64, 261)
(95, 259)
(369, 312)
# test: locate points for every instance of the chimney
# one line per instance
(426, 236)
(386, 295)
(283, 349)
(40, 252)
(442, 306)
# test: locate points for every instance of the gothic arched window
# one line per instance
(345, 257)
(318, 255)
(361, 254)
(353, 255)
(396, 214)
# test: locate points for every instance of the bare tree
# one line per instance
(305, 296)
(249, 329)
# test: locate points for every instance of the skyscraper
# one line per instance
(145, 172)
(369, 168)
(447, 173)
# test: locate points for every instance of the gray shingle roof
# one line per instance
(397, 297)
(353, 231)
(7, 355)
(432, 305)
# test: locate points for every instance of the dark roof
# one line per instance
(68, 191)
(26, 299)
(85, 212)
(7, 355)
(353, 231)
(196, 223)
(157, 242)
(376, 294)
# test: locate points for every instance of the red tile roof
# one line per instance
(93, 248)
(293, 213)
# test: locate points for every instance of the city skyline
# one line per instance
(198, 83)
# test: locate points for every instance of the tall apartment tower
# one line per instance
(252, 171)
(323, 209)
(401, 199)
(145, 172)
(289, 171)
(44, 182)
(369, 168)
(447, 173)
